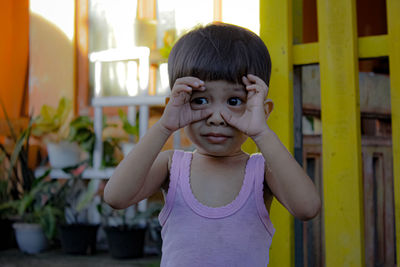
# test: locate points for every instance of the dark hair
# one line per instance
(219, 51)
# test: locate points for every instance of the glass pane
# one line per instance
(111, 26)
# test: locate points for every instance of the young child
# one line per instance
(217, 197)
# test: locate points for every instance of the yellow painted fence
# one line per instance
(337, 52)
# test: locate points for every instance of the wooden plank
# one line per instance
(146, 9)
(369, 217)
(389, 237)
(81, 94)
(276, 31)
(305, 53)
(380, 207)
(378, 204)
(393, 11)
(217, 11)
(297, 12)
(337, 31)
(298, 155)
(368, 47)
(373, 46)
(300, 241)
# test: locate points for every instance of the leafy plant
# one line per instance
(78, 196)
(168, 42)
(82, 132)
(123, 220)
(126, 221)
(41, 204)
(127, 126)
(16, 173)
(53, 123)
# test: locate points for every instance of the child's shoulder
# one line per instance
(167, 156)
(257, 155)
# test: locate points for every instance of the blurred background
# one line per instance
(87, 78)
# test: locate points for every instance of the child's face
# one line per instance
(213, 135)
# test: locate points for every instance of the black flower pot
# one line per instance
(7, 235)
(78, 238)
(125, 242)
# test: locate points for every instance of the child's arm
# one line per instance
(285, 177)
(145, 169)
(141, 172)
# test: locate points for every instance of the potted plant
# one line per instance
(77, 234)
(17, 177)
(39, 211)
(126, 229)
(52, 124)
(131, 130)
(82, 132)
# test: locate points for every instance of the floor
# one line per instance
(56, 258)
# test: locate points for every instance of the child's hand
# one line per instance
(178, 113)
(253, 121)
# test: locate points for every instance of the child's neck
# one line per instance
(229, 157)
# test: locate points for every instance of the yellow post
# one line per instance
(337, 31)
(393, 11)
(276, 31)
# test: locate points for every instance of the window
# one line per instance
(119, 25)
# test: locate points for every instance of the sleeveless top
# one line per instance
(237, 234)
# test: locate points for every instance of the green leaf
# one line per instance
(11, 128)
(48, 220)
(51, 120)
(17, 151)
(126, 125)
(87, 196)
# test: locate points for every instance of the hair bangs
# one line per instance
(219, 52)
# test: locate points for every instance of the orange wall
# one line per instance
(14, 45)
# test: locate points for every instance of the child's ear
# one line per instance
(268, 107)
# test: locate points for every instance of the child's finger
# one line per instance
(253, 86)
(255, 79)
(199, 115)
(255, 89)
(190, 81)
(231, 120)
(179, 88)
(246, 81)
(227, 116)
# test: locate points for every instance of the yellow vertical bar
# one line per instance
(297, 10)
(393, 11)
(276, 31)
(338, 52)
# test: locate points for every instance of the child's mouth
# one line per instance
(215, 138)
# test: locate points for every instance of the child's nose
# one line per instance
(216, 118)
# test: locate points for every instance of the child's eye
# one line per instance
(199, 101)
(234, 101)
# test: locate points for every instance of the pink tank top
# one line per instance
(238, 234)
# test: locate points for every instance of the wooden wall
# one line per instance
(337, 50)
